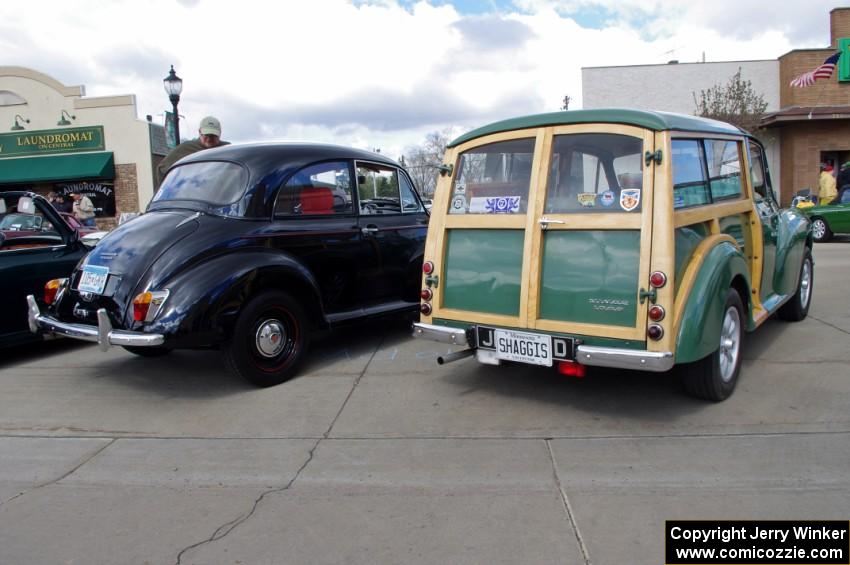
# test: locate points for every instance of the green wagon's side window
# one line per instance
(483, 270)
(724, 169)
(689, 183)
(590, 277)
(493, 179)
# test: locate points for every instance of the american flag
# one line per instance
(823, 71)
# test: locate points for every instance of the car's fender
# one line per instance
(793, 233)
(719, 266)
(204, 300)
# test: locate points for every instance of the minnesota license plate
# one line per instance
(522, 347)
(93, 279)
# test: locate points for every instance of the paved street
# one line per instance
(377, 455)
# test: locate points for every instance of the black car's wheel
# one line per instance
(820, 230)
(269, 339)
(714, 377)
(154, 351)
(798, 307)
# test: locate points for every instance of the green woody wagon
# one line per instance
(613, 238)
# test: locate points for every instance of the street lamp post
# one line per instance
(173, 87)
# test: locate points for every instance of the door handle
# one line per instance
(544, 222)
(371, 228)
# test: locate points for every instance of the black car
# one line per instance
(36, 246)
(252, 249)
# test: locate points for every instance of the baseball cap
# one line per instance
(210, 126)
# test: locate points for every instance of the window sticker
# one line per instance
(587, 199)
(629, 199)
(458, 205)
(607, 198)
(494, 204)
(460, 187)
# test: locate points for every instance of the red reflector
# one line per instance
(571, 368)
(427, 267)
(426, 294)
(657, 279)
(425, 308)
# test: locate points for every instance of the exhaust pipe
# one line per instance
(449, 357)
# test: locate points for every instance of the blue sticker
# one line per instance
(607, 198)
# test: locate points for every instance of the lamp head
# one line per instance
(173, 84)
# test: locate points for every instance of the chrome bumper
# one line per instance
(102, 334)
(617, 358)
(442, 334)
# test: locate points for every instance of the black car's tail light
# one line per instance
(51, 288)
(146, 305)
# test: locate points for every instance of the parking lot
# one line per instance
(375, 454)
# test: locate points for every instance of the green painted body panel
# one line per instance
(793, 230)
(585, 340)
(686, 240)
(700, 328)
(483, 270)
(656, 121)
(590, 277)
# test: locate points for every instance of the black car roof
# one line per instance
(265, 156)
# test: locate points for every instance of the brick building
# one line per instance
(803, 127)
(813, 122)
(55, 139)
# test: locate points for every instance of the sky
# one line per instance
(380, 73)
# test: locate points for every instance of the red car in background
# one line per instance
(16, 225)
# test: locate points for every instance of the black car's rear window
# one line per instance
(213, 182)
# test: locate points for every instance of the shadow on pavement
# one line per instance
(29, 352)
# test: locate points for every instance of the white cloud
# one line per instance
(377, 73)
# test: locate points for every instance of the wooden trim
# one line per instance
(486, 221)
(699, 214)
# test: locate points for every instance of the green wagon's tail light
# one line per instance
(425, 308)
(426, 294)
(657, 313)
(657, 279)
(428, 267)
(654, 331)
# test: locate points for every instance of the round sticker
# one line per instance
(607, 198)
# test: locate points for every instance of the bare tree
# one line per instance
(422, 161)
(736, 103)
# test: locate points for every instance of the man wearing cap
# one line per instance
(209, 136)
(826, 185)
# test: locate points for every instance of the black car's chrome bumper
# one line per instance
(102, 334)
(615, 357)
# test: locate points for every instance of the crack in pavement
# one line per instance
(568, 509)
(824, 322)
(68, 474)
(228, 527)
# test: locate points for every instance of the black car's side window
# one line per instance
(316, 190)
(379, 191)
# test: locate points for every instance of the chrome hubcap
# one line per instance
(270, 338)
(730, 343)
(805, 283)
(818, 228)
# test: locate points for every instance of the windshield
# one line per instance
(212, 182)
(20, 222)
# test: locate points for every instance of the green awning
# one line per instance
(79, 166)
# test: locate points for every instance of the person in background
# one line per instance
(843, 176)
(83, 209)
(209, 136)
(826, 185)
(60, 202)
